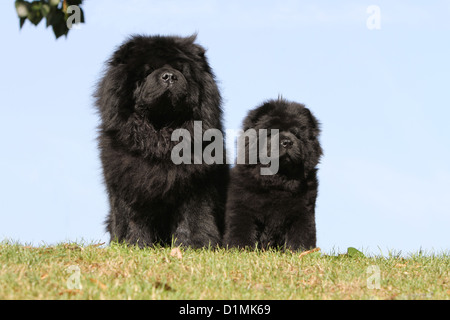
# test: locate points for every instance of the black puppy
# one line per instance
(276, 210)
(153, 86)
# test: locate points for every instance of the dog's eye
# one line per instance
(177, 65)
(185, 70)
(147, 70)
(295, 133)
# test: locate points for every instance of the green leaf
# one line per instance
(82, 16)
(53, 16)
(22, 21)
(49, 19)
(35, 13)
(22, 8)
(60, 28)
(56, 19)
(35, 17)
(36, 5)
(45, 9)
(354, 253)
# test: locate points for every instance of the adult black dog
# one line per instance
(152, 86)
(276, 210)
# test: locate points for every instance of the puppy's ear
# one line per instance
(191, 39)
(194, 47)
(200, 51)
(255, 114)
(124, 52)
(314, 124)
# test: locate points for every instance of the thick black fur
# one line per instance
(277, 210)
(151, 86)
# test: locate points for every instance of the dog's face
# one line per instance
(298, 131)
(164, 75)
(153, 85)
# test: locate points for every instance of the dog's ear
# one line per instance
(313, 123)
(193, 46)
(124, 52)
(255, 114)
(314, 149)
(200, 51)
(192, 38)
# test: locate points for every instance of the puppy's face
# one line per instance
(299, 148)
(162, 86)
(290, 150)
(164, 74)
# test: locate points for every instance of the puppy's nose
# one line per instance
(168, 77)
(286, 143)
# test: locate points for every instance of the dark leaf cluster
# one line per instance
(56, 13)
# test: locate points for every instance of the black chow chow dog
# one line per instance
(277, 210)
(152, 86)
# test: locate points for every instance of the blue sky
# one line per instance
(382, 97)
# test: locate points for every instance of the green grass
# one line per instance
(121, 272)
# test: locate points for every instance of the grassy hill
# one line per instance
(74, 271)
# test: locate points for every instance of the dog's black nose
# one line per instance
(286, 143)
(169, 77)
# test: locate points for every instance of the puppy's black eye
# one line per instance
(178, 66)
(296, 133)
(147, 70)
(185, 70)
